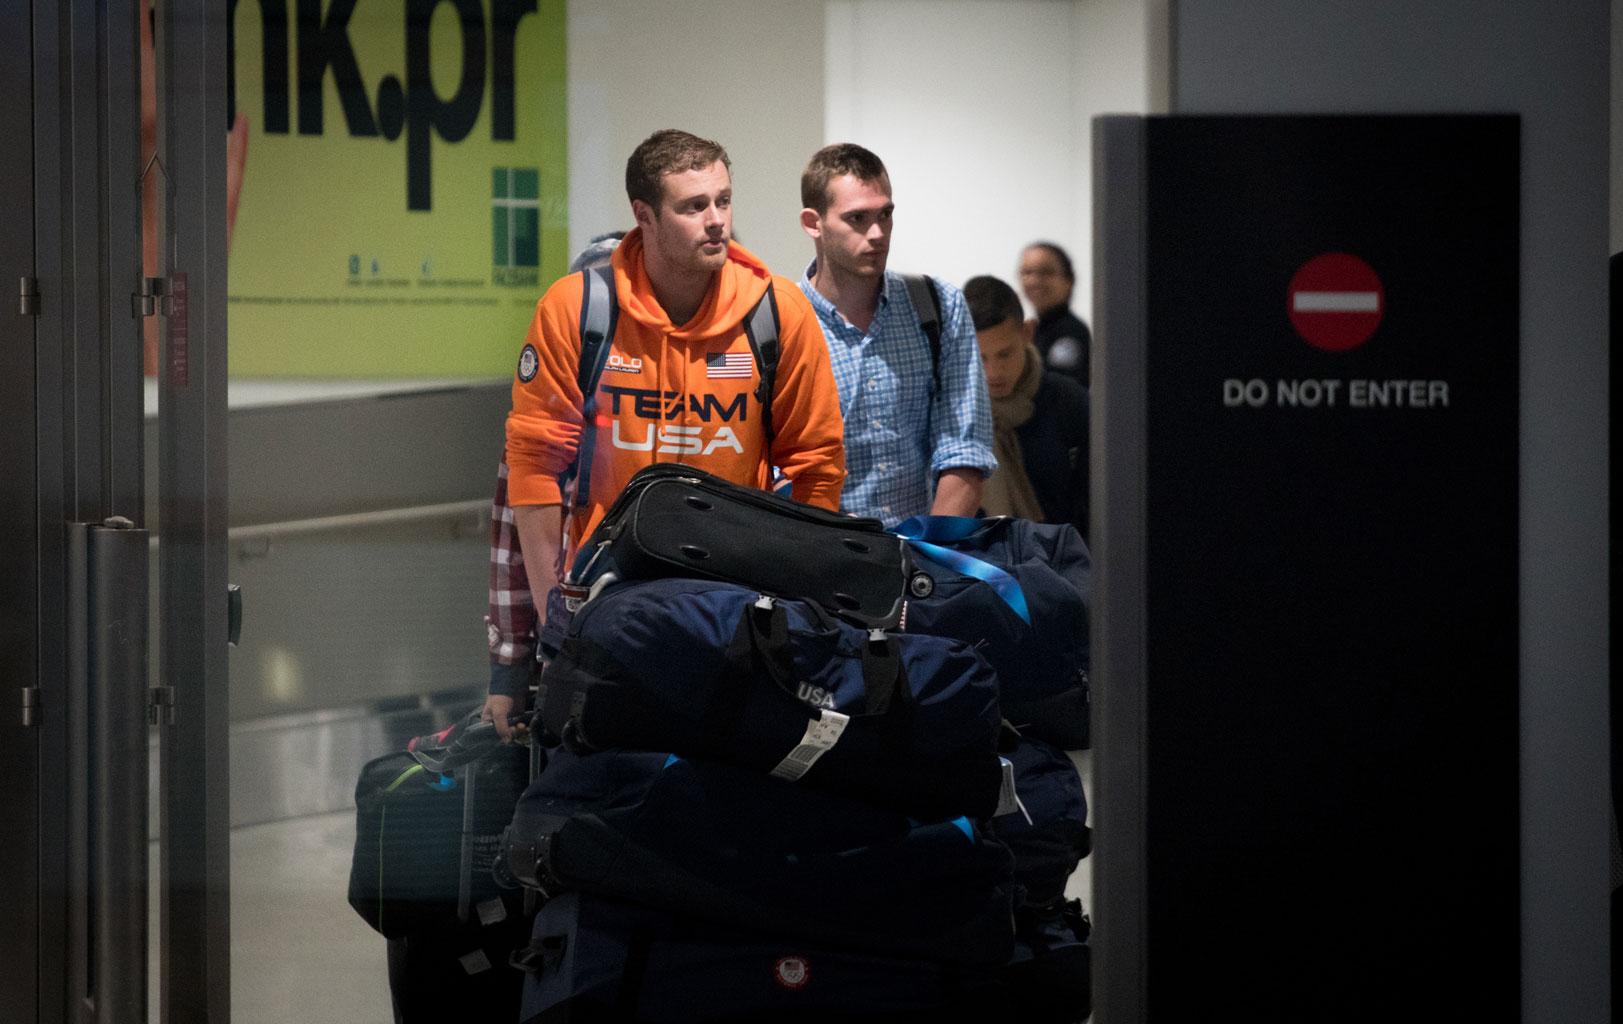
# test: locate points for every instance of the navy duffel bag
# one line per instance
(1047, 978)
(716, 842)
(1049, 833)
(1019, 591)
(594, 959)
(711, 670)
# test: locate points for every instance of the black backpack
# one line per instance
(922, 290)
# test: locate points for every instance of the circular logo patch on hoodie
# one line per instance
(1066, 354)
(528, 363)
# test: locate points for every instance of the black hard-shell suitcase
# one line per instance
(675, 520)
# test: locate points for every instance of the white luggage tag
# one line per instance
(491, 912)
(1008, 801)
(822, 733)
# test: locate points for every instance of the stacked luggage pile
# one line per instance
(784, 765)
(781, 780)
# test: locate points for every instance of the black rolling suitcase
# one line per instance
(429, 822)
(674, 520)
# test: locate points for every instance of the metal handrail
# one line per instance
(353, 520)
(382, 517)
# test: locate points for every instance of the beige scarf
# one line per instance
(1008, 490)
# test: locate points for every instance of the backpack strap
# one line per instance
(927, 304)
(761, 328)
(599, 312)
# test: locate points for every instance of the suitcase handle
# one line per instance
(467, 741)
(761, 643)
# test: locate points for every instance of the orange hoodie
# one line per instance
(674, 394)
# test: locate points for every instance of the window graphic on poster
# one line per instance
(405, 200)
(515, 224)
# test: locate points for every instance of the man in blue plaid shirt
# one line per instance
(911, 447)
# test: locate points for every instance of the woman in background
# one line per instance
(1063, 339)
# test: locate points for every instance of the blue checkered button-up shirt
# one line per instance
(899, 435)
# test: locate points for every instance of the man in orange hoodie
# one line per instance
(679, 384)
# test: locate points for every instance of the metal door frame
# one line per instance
(83, 148)
(20, 745)
(194, 775)
(75, 577)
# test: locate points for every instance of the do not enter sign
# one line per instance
(1336, 301)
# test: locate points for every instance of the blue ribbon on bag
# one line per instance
(926, 534)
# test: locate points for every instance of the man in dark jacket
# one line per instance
(1039, 417)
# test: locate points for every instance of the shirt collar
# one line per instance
(820, 301)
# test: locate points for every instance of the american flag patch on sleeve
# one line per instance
(729, 365)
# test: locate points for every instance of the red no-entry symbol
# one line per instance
(1336, 301)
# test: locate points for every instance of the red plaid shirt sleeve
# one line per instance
(512, 618)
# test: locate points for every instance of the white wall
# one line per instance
(1548, 62)
(972, 107)
(980, 108)
(747, 74)
(1109, 75)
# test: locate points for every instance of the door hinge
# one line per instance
(27, 296)
(149, 300)
(161, 705)
(31, 706)
(233, 614)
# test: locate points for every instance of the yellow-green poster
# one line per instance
(404, 198)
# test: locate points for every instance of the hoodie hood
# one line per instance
(734, 290)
